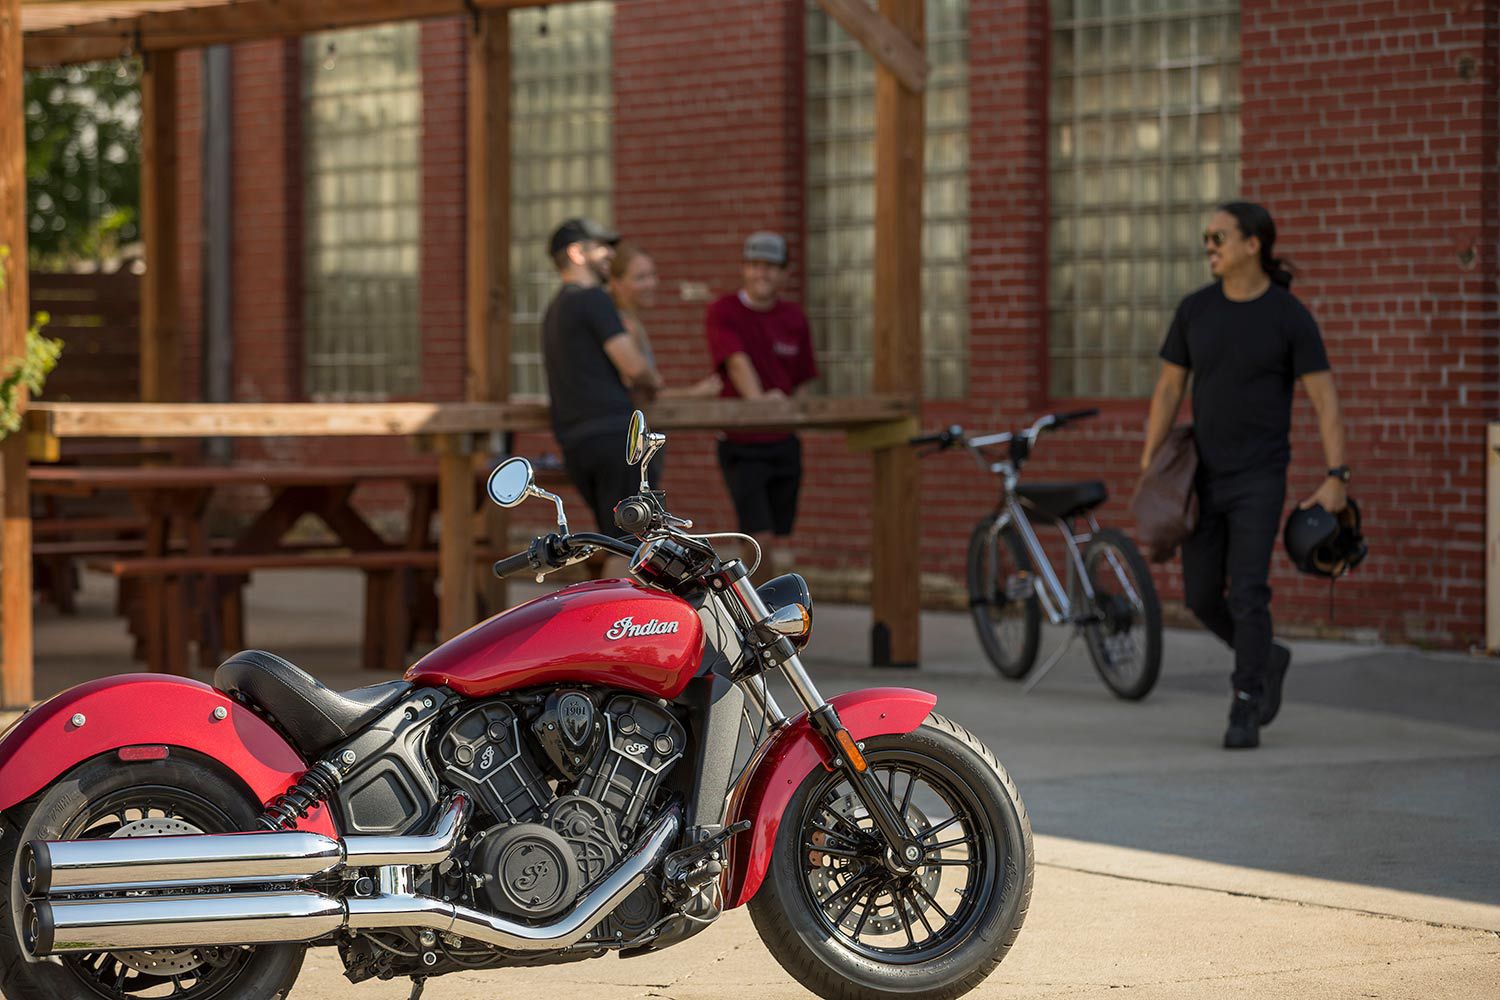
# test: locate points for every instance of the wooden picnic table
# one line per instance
(174, 500)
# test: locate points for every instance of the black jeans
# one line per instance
(1227, 562)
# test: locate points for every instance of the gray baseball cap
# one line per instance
(766, 246)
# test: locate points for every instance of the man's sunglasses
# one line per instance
(1215, 237)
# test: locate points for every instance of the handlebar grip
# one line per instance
(513, 564)
(1063, 418)
(944, 437)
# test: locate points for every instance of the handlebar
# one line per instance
(549, 552)
(944, 438)
(1058, 419)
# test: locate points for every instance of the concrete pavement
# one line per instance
(1353, 855)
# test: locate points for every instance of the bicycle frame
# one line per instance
(1054, 596)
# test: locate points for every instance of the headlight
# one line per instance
(790, 602)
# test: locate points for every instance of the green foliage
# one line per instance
(30, 371)
(82, 161)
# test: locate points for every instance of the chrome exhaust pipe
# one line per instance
(394, 910)
(117, 865)
(54, 927)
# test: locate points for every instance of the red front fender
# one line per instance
(782, 762)
(135, 709)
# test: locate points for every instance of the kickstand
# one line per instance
(1051, 661)
(418, 984)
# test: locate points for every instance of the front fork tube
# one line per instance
(903, 852)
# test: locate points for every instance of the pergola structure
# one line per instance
(37, 33)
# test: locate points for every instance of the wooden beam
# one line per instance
(487, 282)
(107, 37)
(890, 45)
(160, 420)
(161, 340)
(895, 594)
(456, 535)
(15, 531)
(191, 420)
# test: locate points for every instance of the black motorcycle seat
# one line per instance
(314, 716)
(1064, 500)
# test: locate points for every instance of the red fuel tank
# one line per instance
(611, 632)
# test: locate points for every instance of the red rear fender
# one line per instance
(790, 756)
(155, 709)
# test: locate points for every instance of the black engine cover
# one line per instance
(482, 754)
(528, 870)
(644, 741)
(569, 731)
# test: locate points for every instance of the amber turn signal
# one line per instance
(851, 750)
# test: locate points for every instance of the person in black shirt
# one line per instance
(1246, 340)
(595, 373)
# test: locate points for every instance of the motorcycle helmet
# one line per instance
(1324, 544)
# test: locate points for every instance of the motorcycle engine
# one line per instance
(554, 837)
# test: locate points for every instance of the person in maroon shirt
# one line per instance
(761, 345)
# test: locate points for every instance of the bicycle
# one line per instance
(1108, 598)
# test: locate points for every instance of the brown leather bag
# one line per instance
(1165, 503)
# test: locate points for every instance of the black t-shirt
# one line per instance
(1245, 358)
(588, 397)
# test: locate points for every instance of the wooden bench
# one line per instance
(387, 618)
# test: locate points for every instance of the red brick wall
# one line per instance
(1370, 131)
(1366, 132)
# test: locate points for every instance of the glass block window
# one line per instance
(1145, 140)
(362, 171)
(841, 203)
(561, 155)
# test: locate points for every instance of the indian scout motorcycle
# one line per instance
(555, 784)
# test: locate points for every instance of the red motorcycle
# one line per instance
(555, 784)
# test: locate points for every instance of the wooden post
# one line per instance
(161, 341)
(488, 240)
(456, 542)
(895, 592)
(15, 535)
(1492, 542)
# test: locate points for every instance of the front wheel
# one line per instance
(1124, 639)
(107, 798)
(1002, 599)
(837, 919)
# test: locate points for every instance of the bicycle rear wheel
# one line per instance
(1002, 600)
(1124, 640)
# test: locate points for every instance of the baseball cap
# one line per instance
(769, 247)
(579, 230)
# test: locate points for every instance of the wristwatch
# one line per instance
(1339, 472)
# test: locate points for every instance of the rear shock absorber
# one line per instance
(306, 793)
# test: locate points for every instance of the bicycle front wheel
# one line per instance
(1124, 637)
(1002, 599)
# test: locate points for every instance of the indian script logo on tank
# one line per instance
(627, 627)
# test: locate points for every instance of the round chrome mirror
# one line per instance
(635, 440)
(510, 482)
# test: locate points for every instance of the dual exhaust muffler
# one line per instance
(177, 919)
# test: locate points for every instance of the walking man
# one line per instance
(594, 373)
(1246, 340)
(762, 348)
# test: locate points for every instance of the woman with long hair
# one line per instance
(632, 284)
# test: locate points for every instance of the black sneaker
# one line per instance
(1270, 704)
(1244, 723)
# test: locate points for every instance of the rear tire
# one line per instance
(1010, 630)
(840, 956)
(1126, 645)
(93, 800)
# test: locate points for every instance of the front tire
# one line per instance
(1125, 641)
(103, 797)
(1002, 599)
(847, 930)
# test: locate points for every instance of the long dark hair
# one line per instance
(1254, 220)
